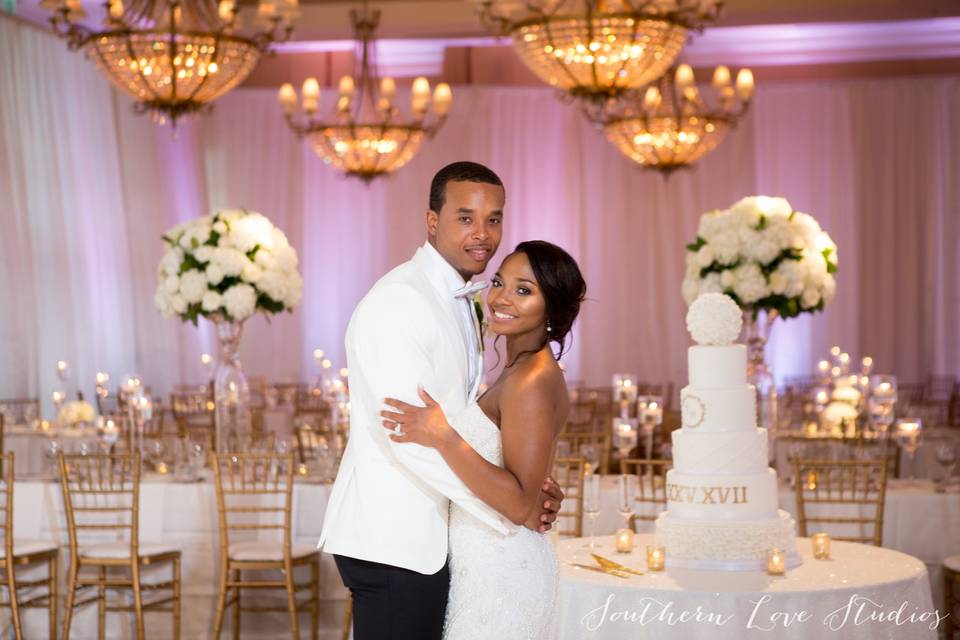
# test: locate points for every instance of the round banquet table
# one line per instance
(861, 592)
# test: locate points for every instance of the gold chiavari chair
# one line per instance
(20, 410)
(255, 495)
(593, 447)
(651, 487)
(823, 487)
(951, 595)
(101, 496)
(309, 440)
(568, 473)
(312, 403)
(40, 593)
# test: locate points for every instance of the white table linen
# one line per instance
(688, 605)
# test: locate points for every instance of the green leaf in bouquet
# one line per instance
(253, 252)
(762, 224)
(696, 246)
(791, 216)
(226, 283)
(267, 303)
(213, 240)
(189, 262)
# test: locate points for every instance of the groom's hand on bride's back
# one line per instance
(542, 518)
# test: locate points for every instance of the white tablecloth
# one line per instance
(183, 515)
(30, 447)
(917, 521)
(811, 601)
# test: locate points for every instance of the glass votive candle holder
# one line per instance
(624, 541)
(162, 467)
(821, 546)
(301, 469)
(656, 557)
(776, 562)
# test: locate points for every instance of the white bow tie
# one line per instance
(469, 289)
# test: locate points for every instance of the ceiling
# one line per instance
(328, 19)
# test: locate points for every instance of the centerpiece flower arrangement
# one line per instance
(773, 262)
(225, 267)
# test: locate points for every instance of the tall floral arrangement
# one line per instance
(227, 265)
(765, 256)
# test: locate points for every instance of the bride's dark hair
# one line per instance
(562, 285)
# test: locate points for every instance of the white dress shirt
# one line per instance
(390, 501)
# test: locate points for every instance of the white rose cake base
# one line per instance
(722, 502)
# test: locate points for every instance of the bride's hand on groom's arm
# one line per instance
(551, 496)
(426, 426)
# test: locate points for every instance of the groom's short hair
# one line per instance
(463, 171)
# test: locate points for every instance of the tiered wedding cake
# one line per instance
(722, 503)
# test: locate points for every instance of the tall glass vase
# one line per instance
(230, 389)
(756, 332)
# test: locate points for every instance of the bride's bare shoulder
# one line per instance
(539, 383)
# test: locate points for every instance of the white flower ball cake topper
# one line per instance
(714, 319)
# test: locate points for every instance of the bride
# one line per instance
(505, 587)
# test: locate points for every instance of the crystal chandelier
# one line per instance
(365, 135)
(174, 57)
(672, 126)
(595, 50)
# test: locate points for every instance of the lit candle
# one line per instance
(810, 482)
(834, 351)
(344, 372)
(326, 364)
(821, 546)
(684, 75)
(776, 562)
(823, 367)
(810, 429)
(624, 540)
(225, 9)
(442, 99)
(311, 95)
(288, 99)
(116, 9)
(836, 372)
(822, 397)
(301, 469)
(346, 86)
(866, 365)
(656, 557)
(844, 359)
(318, 354)
(745, 84)
(162, 467)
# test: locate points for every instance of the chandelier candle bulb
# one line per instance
(288, 98)
(651, 99)
(776, 562)
(442, 98)
(421, 95)
(388, 88)
(226, 10)
(624, 541)
(684, 76)
(656, 557)
(116, 9)
(721, 76)
(745, 85)
(821, 546)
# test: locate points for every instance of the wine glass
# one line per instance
(627, 496)
(52, 451)
(591, 453)
(947, 458)
(591, 504)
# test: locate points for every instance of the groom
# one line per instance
(386, 521)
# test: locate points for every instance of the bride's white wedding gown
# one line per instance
(501, 587)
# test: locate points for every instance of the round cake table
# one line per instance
(861, 592)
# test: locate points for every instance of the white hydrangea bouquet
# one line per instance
(764, 255)
(227, 265)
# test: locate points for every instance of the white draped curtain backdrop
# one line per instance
(87, 188)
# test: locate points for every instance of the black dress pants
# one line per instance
(390, 603)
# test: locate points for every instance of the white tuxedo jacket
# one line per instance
(389, 503)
